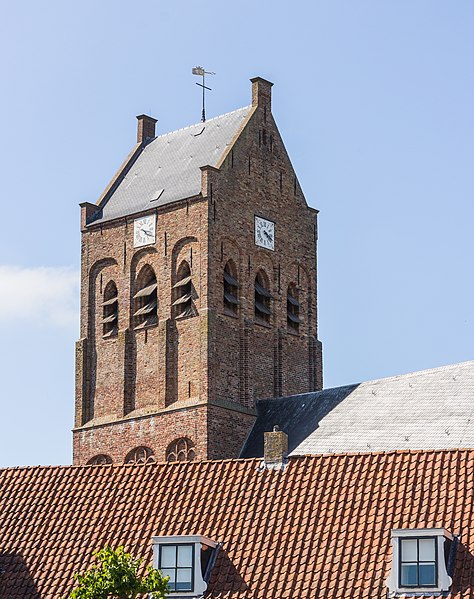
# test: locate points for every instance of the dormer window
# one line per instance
(418, 561)
(177, 562)
(422, 561)
(187, 560)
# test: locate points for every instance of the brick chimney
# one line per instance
(262, 93)
(146, 128)
(275, 448)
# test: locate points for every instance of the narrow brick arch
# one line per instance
(90, 331)
(94, 274)
(140, 258)
(230, 287)
(110, 307)
(262, 295)
(178, 255)
(144, 305)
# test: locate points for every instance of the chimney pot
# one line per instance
(262, 93)
(275, 447)
(146, 128)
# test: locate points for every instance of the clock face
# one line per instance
(144, 230)
(264, 233)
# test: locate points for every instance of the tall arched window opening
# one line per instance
(293, 309)
(181, 450)
(231, 289)
(145, 311)
(262, 297)
(183, 292)
(110, 310)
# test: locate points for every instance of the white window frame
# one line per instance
(199, 584)
(444, 580)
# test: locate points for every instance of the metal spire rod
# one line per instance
(201, 72)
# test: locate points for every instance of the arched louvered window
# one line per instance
(181, 450)
(231, 288)
(262, 297)
(183, 292)
(145, 306)
(99, 460)
(110, 310)
(140, 455)
(293, 309)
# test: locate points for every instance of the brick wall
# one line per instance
(117, 438)
(257, 178)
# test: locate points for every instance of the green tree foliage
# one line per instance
(117, 575)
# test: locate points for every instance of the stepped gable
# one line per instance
(318, 528)
(428, 409)
(168, 167)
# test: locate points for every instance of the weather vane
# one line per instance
(202, 73)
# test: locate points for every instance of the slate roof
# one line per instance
(168, 168)
(319, 528)
(429, 409)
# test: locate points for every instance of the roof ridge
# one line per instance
(417, 372)
(358, 384)
(239, 460)
(382, 452)
(219, 116)
(122, 465)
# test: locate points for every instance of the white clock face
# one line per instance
(144, 230)
(264, 233)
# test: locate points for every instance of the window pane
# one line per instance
(427, 550)
(171, 574)
(409, 575)
(409, 553)
(183, 579)
(185, 556)
(168, 556)
(427, 574)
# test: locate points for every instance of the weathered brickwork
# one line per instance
(116, 439)
(199, 376)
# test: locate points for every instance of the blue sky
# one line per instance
(374, 99)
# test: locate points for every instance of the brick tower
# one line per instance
(198, 291)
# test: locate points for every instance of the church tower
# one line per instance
(198, 292)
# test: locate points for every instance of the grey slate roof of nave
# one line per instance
(429, 409)
(168, 168)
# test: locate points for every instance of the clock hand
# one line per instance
(269, 237)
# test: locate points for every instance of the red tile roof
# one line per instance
(319, 528)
